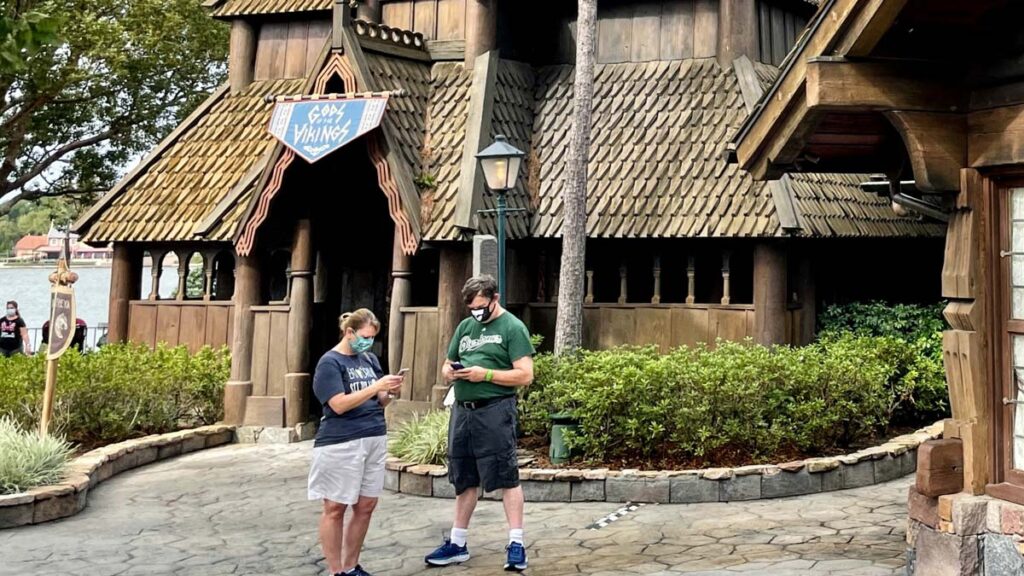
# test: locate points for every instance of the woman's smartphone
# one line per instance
(402, 372)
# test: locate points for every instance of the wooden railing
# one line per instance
(192, 323)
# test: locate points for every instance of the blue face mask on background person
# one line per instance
(361, 344)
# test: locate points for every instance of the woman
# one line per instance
(351, 444)
(13, 332)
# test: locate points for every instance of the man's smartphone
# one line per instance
(458, 366)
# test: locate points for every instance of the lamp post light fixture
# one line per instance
(500, 163)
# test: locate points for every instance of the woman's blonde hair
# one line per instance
(357, 320)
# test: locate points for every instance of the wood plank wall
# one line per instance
(269, 350)
(194, 324)
(435, 19)
(779, 29)
(679, 29)
(419, 352)
(289, 49)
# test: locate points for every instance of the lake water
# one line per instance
(31, 288)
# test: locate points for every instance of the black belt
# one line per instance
(477, 404)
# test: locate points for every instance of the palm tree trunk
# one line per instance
(569, 324)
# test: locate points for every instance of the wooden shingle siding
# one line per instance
(194, 173)
(442, 151)
(232, 8)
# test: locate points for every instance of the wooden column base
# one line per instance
(264, 411)
(235, 395)
(296, 397)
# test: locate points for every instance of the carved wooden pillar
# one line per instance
(247, 294)
(297, 381)
(182, 274)
(242, 55)
(691, 280)
(401, 296)
(656, 299)
(589, 299)
(125, 286)
(481, 29)
(725, 279)
(623, 285)
(769, 294)
(156, 270)
(455, 268)
(808, 301)
(208, 258)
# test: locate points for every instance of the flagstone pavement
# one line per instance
(242, 509)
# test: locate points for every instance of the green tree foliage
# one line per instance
(22, 34)
(119, 76)
(35, 218)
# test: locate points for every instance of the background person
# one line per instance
(494, 350)
(14, 337)
(351, 444)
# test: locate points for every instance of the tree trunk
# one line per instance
(569, 325)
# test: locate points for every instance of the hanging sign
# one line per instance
(315, 128)
(62, 321)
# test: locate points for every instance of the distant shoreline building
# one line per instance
(34, 247)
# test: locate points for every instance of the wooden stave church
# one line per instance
(682, 247)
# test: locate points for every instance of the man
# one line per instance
(489, 357)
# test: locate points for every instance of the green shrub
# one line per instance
(119, 391)
(27, 459)
(423, 439)
(736, 402)
(910, 337)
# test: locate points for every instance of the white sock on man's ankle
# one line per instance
(515, 535)
(459, 536)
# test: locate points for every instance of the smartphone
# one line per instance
(402, 372)
(458, 366)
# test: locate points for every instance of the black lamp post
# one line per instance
(500, 163)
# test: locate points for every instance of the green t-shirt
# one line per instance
(494, 345)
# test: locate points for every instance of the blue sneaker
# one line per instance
(516, 559)
(446, 554)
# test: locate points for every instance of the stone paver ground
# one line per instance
(242, 509)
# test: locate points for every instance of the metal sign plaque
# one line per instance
(62, 320)
(315, 128)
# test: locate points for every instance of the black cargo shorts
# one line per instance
(482, 446)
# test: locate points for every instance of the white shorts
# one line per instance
(343, 472)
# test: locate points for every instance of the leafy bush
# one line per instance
(118, 392)
(735, 403)
(28, 460)
(423, 439)
(910, 336)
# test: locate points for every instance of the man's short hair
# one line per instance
(482, 285)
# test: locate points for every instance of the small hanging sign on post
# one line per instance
(315, 126)
(62, 327)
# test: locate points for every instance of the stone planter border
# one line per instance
(86, 471)
(894, 459)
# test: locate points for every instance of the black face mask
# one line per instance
(482, 314)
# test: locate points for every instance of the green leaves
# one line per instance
(423, 439)
(119, 392)
(736, 403)
(23, 35)
(27, 459)
(97, 88)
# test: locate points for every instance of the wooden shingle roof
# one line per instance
(656, 170)
(442, 150)
(233, 8)
(192, 172)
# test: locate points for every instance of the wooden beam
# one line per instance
(241, 55)
(995, 136)
(445, 50)
(937, 146)
(478, 130)
(392, 49)
(737, 31)
(838, 84)
(776, 133)
(769, 294)
(481, 32)
(940, 467)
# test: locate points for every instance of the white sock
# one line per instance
(515, 535)
(459, 536)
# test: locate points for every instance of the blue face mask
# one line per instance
(361, 344)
